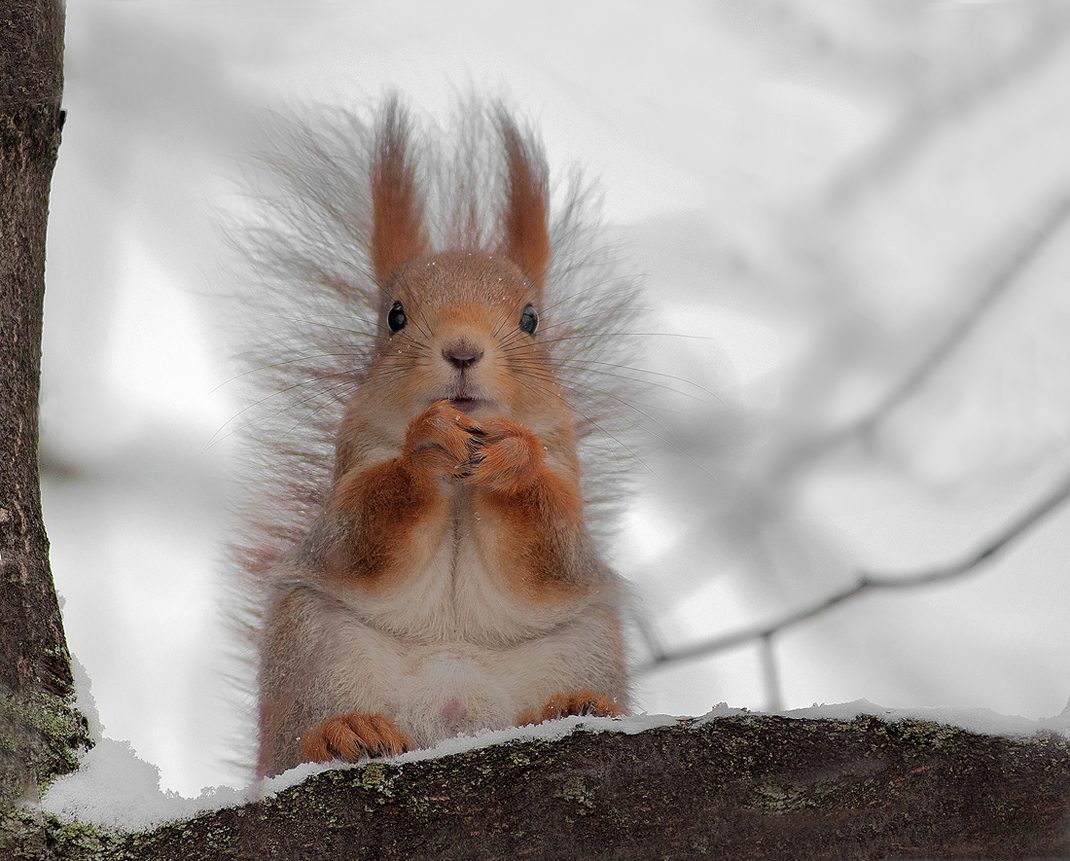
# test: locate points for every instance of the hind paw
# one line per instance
(581, 702)
(353, 736)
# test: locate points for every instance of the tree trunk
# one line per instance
(39, 727)
(744, 787)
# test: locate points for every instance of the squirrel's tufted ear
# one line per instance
(523, 217)
(398, 233)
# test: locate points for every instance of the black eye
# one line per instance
(395, 317)
(529, 319)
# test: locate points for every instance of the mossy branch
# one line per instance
(740, 787)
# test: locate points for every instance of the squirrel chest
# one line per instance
(452, 645)
(466, 585)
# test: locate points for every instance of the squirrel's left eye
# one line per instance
(529, 319)
(396, 318)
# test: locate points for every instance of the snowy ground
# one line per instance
(814, 189)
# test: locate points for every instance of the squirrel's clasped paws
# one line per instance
(506, 457)
(353, 736)
(497, 454)
(440, 440)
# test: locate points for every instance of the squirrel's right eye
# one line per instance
(396, 318)
(529, 319)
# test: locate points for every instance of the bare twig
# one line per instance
(871, 582)
(647, 634)
(1002, 279)
(932, 90)
(774, 697)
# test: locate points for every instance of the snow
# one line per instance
(979, 720)
(116, 789)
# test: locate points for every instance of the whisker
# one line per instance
(366, 329)
(661, 374)
(216, 438)
(606, 433)
(260, 369)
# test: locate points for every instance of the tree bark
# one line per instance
(743, 787)
(38, 724)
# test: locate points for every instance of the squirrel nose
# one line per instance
(462, 355)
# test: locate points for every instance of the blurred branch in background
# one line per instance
(912, 319)
(866, 582)
(937, 61)
(931, 104)
(1003, 279)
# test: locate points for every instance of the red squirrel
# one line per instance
(441, 575)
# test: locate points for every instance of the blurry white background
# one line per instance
(855, 205)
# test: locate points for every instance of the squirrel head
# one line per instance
(353, 215)
(461, 324)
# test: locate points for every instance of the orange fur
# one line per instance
(396, 509)
(399, 511)
(398, 234)
(534, 512)
(353, 736)
(581, 702)
(526, 241)
(507, 460)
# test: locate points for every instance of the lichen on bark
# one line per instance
(741, 787)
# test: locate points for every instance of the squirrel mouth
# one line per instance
(464, 403)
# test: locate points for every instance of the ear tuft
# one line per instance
(398, 234)
(526, 241)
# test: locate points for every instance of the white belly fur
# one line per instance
(453, 652)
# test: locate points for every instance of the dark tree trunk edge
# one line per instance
(40, 729)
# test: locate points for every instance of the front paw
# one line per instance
(353, 736)
(580, 702)
(440, 440)
(506, 457)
